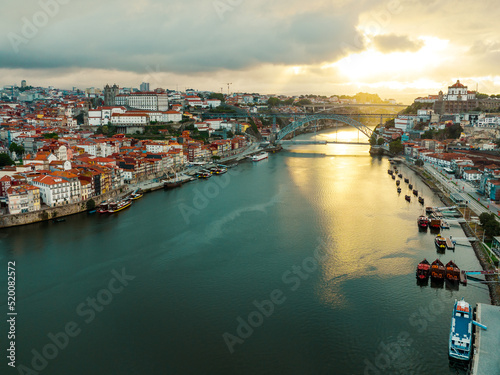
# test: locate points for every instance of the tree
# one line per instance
(14, 147)
(218, 96)
(304, 102)
(429, 134)
(490, 224)
(90, 204)
(419, 163)
(396, 147)
(274, 102)
(373, 140)
(50, 136)
(380, 141)
(5, 160)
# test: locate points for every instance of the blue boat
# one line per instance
(461, 332)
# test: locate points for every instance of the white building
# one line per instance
(459, 92)
(405, 123)
(130, 119)
(54, 191)
(151, 101)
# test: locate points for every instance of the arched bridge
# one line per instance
(300, 122)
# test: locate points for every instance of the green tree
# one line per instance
(419, 163)
(216, 95)
(90, 204)
(274, 102)
(373, 140)
(380, 141)
(14, 147)
(429, 134)
(396, 147)
(304, 102)
(490, 224)
(50, 136)
(5, 160)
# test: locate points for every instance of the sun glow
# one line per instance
(375, 65)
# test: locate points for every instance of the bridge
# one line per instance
(300, 120)
(334, 106)
(300, 123)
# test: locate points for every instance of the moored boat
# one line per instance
(389, 171)
(440, 242)
(452, 271)
(260, 156)
(460, 342)
(421, 200)
(435, 223)
(415, 192)
(408, 198)
(410, 186)
(171, 184)
(407, 180)
(119, 205)
(137, 194)
(104, 207)
(398, 183)
(393, 177)
(423, 269)
(423, 221)
(204, 175)
(400, 175)
(438, 270)
(399, 190)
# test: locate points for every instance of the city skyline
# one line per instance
(399, 49)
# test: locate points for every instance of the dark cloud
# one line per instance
(185, 36)
(396, 43)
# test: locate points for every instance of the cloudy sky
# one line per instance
(397, 48)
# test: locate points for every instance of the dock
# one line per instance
(486, 357)
(449, 244)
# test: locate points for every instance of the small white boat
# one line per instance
(260, 156)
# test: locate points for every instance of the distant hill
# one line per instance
(364, 97)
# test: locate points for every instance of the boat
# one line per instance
(260, 156)
(423, 221)
(415, 192)
(399, 190)
(460, 342)
(395, 167)
(407, 180)
(429, 210)
(408, 198)
(104, 207)
(92, 212)
(389, 171)
(218, 171)
(440, 242)
(444, 225)
(204, 175)
(421, 200)
(171, 184)
(410, 186)
(438, 270)
(423, 269)
(452, 271)
(435, 223)
(398, 183)
(119, 205)
(393, 177)
(137, 194)
(400, 175)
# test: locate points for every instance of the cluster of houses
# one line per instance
(73, 168)
(479, 168)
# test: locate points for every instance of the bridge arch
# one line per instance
(300, 122)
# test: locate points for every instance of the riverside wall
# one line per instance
(51, 213)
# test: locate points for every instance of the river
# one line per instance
(300, 264)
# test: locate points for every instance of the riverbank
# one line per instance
(427, 179)
(51, 213)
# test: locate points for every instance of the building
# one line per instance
(110, 94)
(22, 199)
(23, 84)
(54, 191)
(144, 86)
(151, 101)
